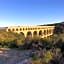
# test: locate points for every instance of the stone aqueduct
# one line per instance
(40, 31)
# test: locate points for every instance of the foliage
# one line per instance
(59, 29)
(35, 58)
(51, 44)
(47, 57)
(37, 61)
(11, 40)
(34, 55)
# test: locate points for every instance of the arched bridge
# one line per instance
(32, 31)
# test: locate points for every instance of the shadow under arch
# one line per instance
(44, 32)
(35, 34)
(22, 34)
(29, 34)
(40, 33)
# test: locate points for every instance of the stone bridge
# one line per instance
(32, 31)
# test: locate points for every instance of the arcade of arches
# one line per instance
(32, 31)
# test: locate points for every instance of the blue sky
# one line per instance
(31, 12)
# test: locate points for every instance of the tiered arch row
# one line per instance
(39, 31)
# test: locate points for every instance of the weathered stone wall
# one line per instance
(41, 31)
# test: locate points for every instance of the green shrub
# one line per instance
(47, 57)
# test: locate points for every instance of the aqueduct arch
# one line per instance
(42, 31)
(22, 34)
(35, 34)
(29, 34)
